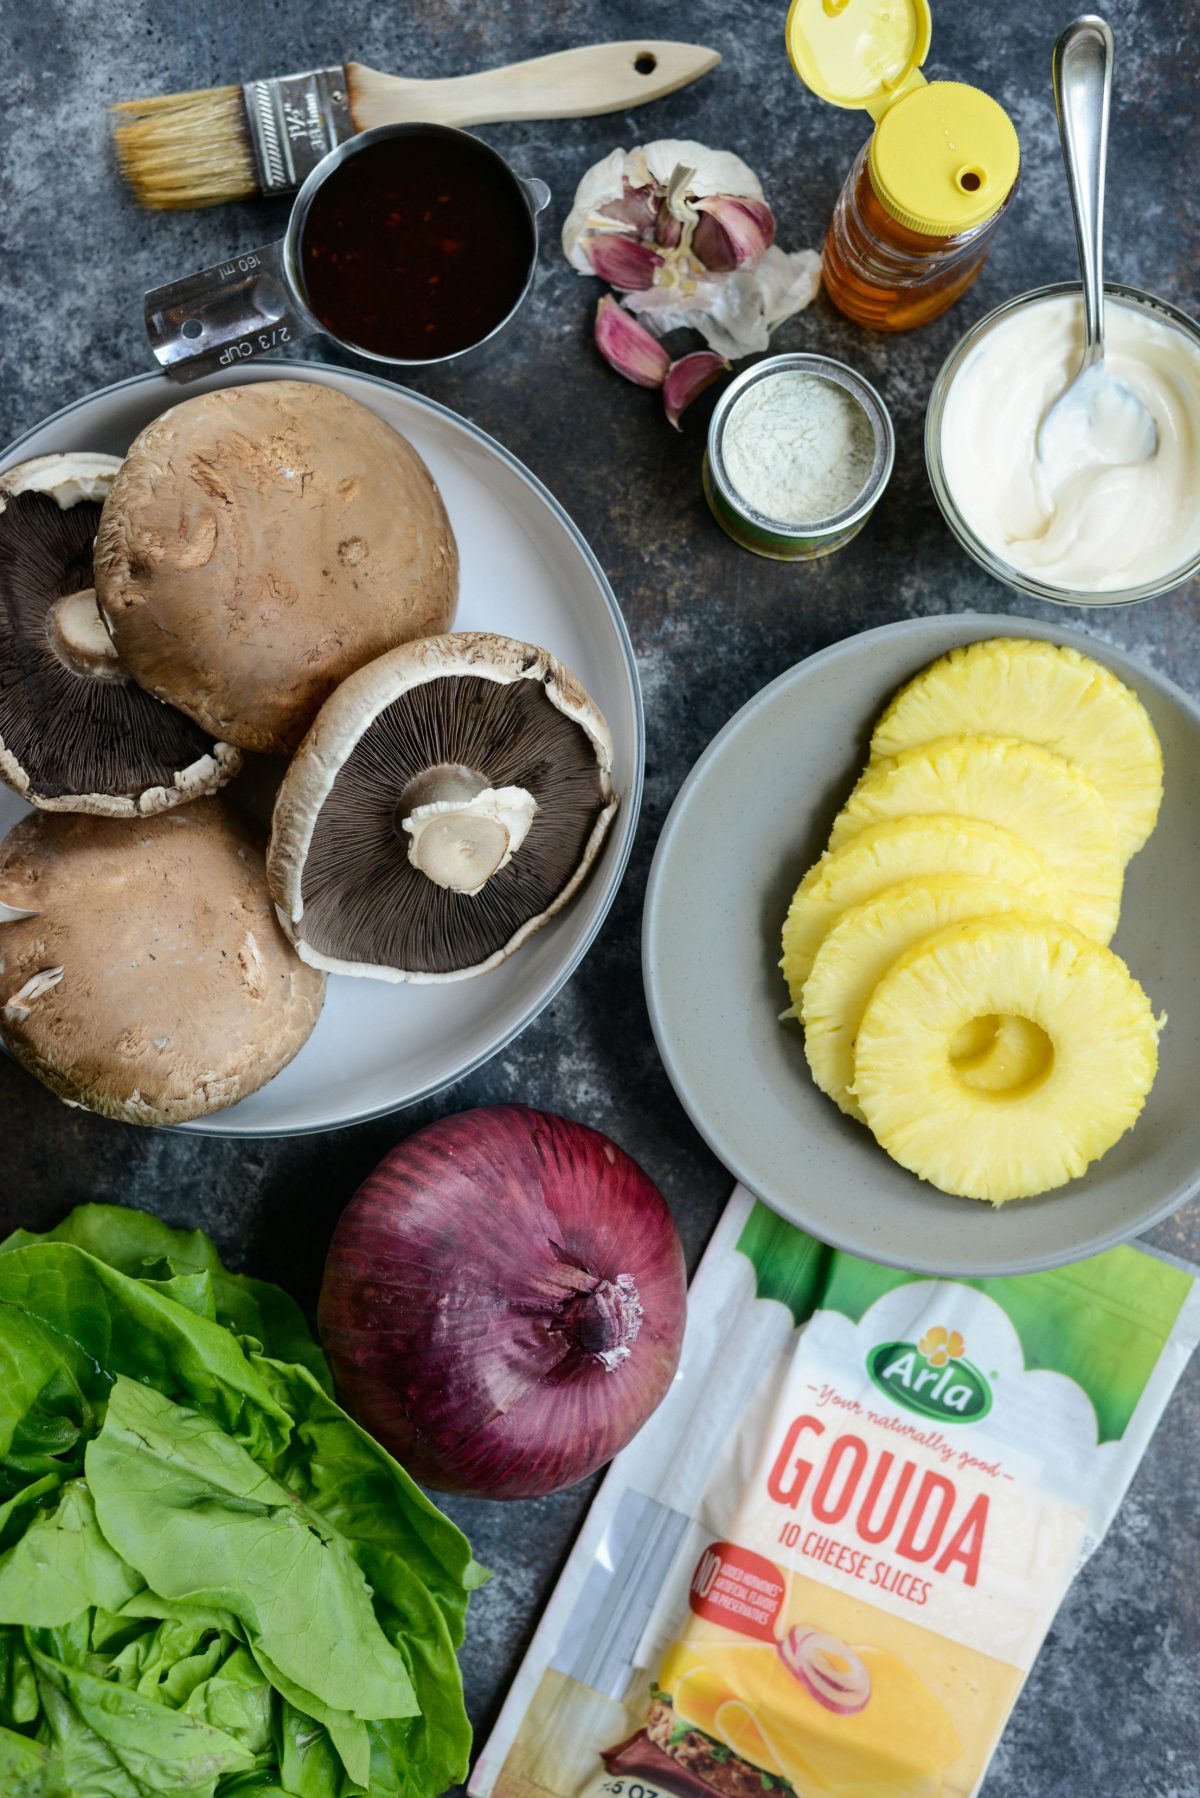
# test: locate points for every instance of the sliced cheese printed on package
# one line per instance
(827, 1565)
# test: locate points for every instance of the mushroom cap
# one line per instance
(76, 734)
(142, 972)
(259, 544)
(338, 865)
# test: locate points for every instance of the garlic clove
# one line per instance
(732, 231)
(668, 230)
(689, 377)
(462, 843)
(637, 208)
(628, 347)
(623, 262)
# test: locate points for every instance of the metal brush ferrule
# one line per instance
(294, 121)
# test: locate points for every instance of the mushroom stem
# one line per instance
(462, 831)
(80, 639)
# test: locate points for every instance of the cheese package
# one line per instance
(826, 1565)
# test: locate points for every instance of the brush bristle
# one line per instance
(186, 150)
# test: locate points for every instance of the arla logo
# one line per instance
(931, 1377)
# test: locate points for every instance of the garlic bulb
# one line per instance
(686, 236)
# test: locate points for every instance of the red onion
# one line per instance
(813, 1655)
(504, 1301)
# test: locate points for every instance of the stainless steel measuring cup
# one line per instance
(255, 302)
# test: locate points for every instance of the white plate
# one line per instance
(526, 572)
(752, 815)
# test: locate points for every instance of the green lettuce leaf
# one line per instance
(27, 1770)
(346, 1734)
(114, 1740)
(100, 1324)
(19, 1701)
(62, 1566)
(46, 1413)
(144, 1248)
(14, 1517)
(237, 1699)
(392, 1528)
(200, 1520)
(311, 1765)
(213, 1584)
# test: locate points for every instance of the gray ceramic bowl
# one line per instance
(750, 818)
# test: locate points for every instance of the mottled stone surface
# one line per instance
(1111, 1706)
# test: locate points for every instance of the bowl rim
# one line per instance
(995, 565)
(621, 837)
(656, 901)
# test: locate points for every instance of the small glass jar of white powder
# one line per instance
(799, 450)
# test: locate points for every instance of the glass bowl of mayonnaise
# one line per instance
(1101, 534)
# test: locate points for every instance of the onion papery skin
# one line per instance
(480, 1290)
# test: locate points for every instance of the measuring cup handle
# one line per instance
(224, 315)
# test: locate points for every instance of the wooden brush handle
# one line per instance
(571, 84)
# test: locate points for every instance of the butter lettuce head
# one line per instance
(212, 1582)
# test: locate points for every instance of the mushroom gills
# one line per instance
(367, 889)
(73, 725)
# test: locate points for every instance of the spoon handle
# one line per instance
(1081, 70)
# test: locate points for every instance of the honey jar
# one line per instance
(915, 219)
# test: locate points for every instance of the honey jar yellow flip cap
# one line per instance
(859, 53)
(944, 158)
(944, 155)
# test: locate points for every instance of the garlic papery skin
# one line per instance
(734, 313)
(461, 843)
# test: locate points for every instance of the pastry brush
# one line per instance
(229, 143)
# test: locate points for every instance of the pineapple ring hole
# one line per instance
(1006, 1055)
(974, 1041)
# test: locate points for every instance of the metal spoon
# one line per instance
(1098, 418)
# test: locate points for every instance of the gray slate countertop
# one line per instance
(1111, 1707)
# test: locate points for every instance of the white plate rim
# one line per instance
(630, 808)
(1003, 623)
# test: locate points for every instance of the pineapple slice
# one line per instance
(907, 849)
(863, 945)
(1029, 790)
(1044, 694)
(1100, 1055)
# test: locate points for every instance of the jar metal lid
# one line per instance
(823, 368)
